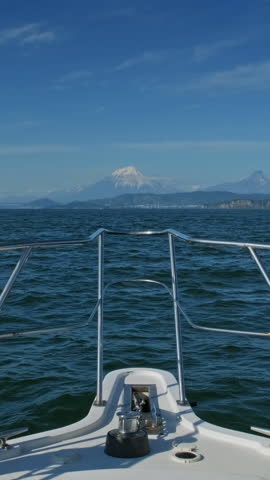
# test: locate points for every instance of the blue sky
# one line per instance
(176, 88)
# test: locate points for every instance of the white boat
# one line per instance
(141, 422)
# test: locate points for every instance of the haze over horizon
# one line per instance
(178, 90)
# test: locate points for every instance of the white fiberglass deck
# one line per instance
(76, 452)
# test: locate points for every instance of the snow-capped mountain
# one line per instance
(257, 182)
(123, 180)
(131, 177)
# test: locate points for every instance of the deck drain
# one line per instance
(186, 456)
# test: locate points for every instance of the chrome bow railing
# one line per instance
(173, 292)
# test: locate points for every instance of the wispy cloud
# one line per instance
(195, 144)
(108, 14)
(19, 124)
(37, 149)
(147, 57)
(39, 37)
(31, 33)
(26, 124)
(254, 76)
(77, 77)
(203, 52)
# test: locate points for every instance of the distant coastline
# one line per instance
(190, 200)
(242, 204)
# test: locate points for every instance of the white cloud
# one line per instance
(147, 57)
(6, 150)
(41, 37)
(203, 52)
(31, 33)
(195, 144)
(16, 34)
(77, 77)
(254, 76)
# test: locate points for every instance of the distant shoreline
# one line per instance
(184, 207)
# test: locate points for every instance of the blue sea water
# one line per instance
(49, 381)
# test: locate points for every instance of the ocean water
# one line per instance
(48, 381)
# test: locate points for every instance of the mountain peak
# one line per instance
(127, 171)
(129, 176)
(259, 177)
(257, 182)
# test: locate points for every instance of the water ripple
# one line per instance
(49, 381)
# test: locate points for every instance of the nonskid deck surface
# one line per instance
(77, 451)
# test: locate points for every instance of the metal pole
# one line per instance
(178, 333)
(22, 261)
(99, 399)
(259, 265)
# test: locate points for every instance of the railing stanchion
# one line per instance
(99, 398)
(178, 331)
(22, 261)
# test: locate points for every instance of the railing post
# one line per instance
(22, 261)
(177, 320)
(99, 399)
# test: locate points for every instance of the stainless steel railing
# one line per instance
(98, 308)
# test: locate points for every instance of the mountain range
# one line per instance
(130, 181)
